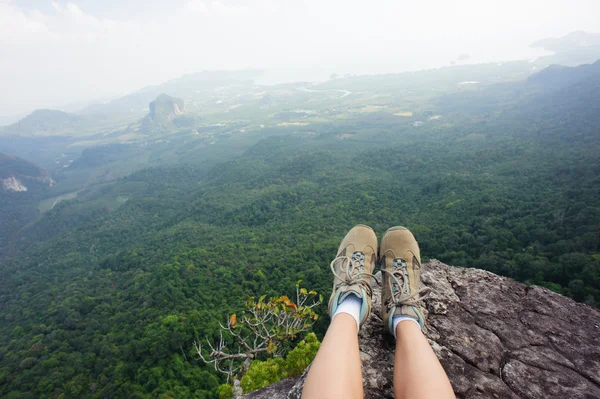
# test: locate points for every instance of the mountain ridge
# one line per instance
(42, 122)
(184, 86)
(576, 48)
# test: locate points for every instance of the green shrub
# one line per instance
(264, 373)
(300, 357)
(225, 391)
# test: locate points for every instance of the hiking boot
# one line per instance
(400, 260)
(352, 269)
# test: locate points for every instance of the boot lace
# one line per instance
(399, 284)
(352, 272)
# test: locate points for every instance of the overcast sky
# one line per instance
(53, 53)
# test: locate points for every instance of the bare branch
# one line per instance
(261, 328)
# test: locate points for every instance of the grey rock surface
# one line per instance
(495, 337)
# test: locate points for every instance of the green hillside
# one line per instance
(23, 185)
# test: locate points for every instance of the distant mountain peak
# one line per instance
(43, 122)
(163, 111)
(44, 113)
(572, 41)
(574, 49)
(47, 117)
(165, 108)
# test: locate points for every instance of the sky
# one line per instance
(64, 54)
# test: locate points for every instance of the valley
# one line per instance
(140, 230)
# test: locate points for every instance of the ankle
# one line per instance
(399, 319)
(350, 305)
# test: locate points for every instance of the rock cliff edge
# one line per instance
(495, 337)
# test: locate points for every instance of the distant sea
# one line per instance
(322, 73)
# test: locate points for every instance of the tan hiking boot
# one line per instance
(400, 260)
(352, 269)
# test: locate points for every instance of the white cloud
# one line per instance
(17, 24)
(197, 6)
(79, 17)
(216, 8)
(229, 10)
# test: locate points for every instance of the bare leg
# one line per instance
(336, 370)
(418, 373)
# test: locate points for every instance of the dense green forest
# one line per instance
(18, 206)
(106, 292)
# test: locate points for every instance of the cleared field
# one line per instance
(373, 108)
(50, 203)
(293, 124)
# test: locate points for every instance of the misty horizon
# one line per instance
(67, 55)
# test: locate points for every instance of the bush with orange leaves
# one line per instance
(260, 329)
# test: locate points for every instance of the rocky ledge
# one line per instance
(495, 337)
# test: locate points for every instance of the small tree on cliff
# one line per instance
(260, 329)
